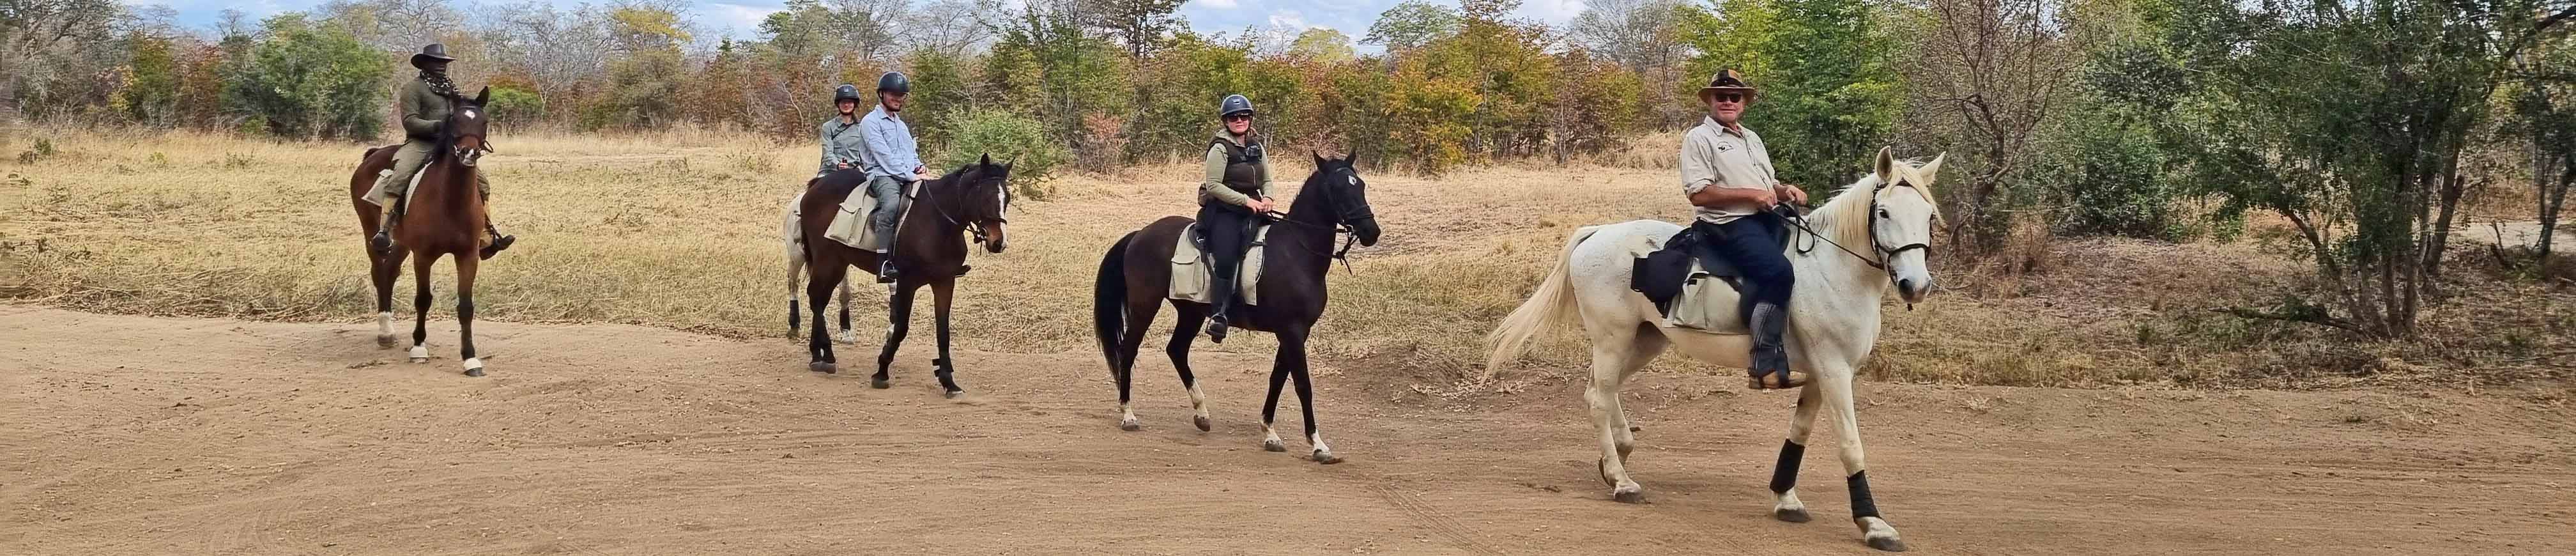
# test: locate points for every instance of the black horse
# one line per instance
(930, 250)
(1135, 279)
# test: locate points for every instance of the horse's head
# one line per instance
(1900, 222)
(1346, 194)
(985, 198)
(467, 129)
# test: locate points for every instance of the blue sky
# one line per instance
(739, 18)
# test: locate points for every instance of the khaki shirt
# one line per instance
(1712, 156)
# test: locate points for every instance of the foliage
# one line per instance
(1006, 136)
(1412, 24)
(306, 81)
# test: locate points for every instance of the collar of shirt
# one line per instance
(880, 113)
(1711, 121)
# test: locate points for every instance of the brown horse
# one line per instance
(930, 250)
(443, 217)
(1135, 280)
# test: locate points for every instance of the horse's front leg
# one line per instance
(945, 367)
(899, 322)
(465, 268)
(1784, 474)
(1292, 356)
(1837, 394)
(818, 293)
(385, 270)
(420, 308)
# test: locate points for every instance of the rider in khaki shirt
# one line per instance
(1726, 172)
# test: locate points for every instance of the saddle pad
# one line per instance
(1190, 276)
(1686, 292)
(850, 225)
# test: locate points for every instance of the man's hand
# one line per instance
(1791, 193)
(840, 165)
(923, 170)
(918, 176)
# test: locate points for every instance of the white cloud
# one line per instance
(1218, 4)
(1288, 19)
(743, 21)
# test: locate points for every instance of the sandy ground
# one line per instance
(140, 435)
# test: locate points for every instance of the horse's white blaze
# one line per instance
(469, 114)
(1836, 307)
(385, 323)
(419, 353)
(473, 363)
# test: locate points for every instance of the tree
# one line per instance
(1140, 25)
(1645, 36)
(306, 81)
(1828, 96)
(151, 92)
(1322, 45)
(1996, 68)
(2544, 113)
(48, 46)
(1411, 24)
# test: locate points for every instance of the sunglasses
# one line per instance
(1728, 97)
(1239, 118)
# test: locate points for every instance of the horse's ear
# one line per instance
(483, 95)
(1886, 167)
(1319, 158)
(1352, 159)
(988, 159)
(1932, 170)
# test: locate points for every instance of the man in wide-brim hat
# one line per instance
(1726, 171)
(425, 103)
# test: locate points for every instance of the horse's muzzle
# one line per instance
(994, 242)
(1367, 231)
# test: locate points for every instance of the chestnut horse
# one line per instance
(930, 250)
(443, 217)
(1136, 276)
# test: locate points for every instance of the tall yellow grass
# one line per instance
(679, 230)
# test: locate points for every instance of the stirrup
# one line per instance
(1216, 328)
(499, 242)
(885, 270)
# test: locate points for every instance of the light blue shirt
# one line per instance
(891, 151)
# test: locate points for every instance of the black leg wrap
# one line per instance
(1862, 504)
(1784, 474)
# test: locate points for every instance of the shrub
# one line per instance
(1006, 136)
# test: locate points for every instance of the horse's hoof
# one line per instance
(1798, 515)
(384, 341)
(473, 366)
(1326, 458)
(1202, 422)
(846, 338)
(1878, 534)
(1130, 425)
(954, 394)
(1628, 495)
(1273, 446)
(824, 367)
(879, 382)
(1890, 544)
(474, 372)
(419, 353)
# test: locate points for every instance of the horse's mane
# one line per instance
(1847, 214)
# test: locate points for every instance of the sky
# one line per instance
(741, 18)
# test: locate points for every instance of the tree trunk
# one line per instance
(2553, 200)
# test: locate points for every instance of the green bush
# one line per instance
(2105, 176)
(1007, 137)
(515, 107)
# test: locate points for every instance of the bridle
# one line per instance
(483, 143)
(972, 227)
(1884, 252)
(1340, 226)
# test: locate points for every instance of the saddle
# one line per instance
(850, 224)
(1682, 284)
(1190, 275)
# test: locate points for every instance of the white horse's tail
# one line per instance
(1552, 305)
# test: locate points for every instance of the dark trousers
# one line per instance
(1228, 229)
(1753, 245)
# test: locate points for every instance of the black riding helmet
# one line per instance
(894, 82)
(846, 92)
(1234, 104)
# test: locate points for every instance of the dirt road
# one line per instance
(137, 435)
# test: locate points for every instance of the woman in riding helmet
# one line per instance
(1234, 196)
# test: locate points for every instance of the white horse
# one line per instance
(1885, 223)
(795, 240)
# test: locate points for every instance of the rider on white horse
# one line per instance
(1727, 172)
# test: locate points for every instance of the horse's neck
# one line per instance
(454, 189)
(1845, 273)
(1307, 236)
(941, 201)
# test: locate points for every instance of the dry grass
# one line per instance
(679, 230)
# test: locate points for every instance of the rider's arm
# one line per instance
(828, 159)
(1721, 197)
(1215, 184)
(877, 137)
(412, 107)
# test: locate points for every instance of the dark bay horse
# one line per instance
(930, 250)
(444, 217)
(1135, 279)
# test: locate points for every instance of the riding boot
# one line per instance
(1223, 294)
(1770, 356)
(499, 241)
(383, 241)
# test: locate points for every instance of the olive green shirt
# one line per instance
(1214, 186)
(422, 110)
